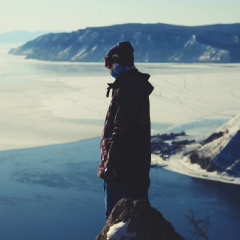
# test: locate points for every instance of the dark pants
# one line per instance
(114, 193)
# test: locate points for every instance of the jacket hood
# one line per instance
(132, 78)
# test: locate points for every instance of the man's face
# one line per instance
(111, 63)
(108, 63)
(110, 69)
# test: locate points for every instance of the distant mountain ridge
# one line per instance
(19, 36)
(218, 43)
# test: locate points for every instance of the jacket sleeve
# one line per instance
(126, 123)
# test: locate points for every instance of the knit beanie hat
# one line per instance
(122, 53)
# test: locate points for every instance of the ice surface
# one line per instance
(45, 103)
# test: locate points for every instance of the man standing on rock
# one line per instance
(126, 140)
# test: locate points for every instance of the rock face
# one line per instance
(167, 145)
(152, 42)
(137, 220)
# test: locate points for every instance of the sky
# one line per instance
(71, 15)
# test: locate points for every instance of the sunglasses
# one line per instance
(108, 61)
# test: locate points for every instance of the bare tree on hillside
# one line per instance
(200, 226)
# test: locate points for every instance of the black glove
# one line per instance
(110, 176)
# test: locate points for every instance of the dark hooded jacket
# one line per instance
(126, 144)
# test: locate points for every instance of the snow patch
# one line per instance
(182, 165)
(191, 41)
(82, 53)
(119, 231)
(65, 52)
(94, 48)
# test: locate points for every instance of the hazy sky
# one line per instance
(70, 15)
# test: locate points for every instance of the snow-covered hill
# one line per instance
(152, 42)
(221, 151)
(215, 158)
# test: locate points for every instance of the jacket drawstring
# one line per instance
(109, 89)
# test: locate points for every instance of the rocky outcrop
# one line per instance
(152, 42)
(167, 145)
(137, 220)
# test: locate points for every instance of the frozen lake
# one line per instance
(63, 102)
(52, 192)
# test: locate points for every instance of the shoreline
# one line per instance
(181, 166)
(176, 164)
